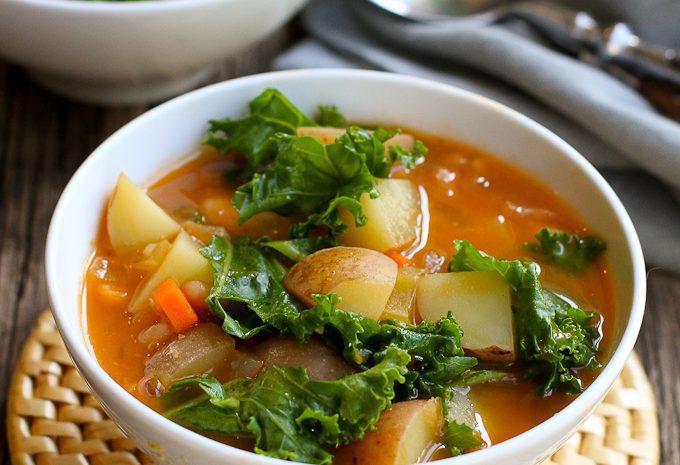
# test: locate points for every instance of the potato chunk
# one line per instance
(401, 302)
(480, 301)
(134, 220)
(406, 141)
(201, 350)
(403, 435)
(363, 278)
(324, 134)
(182, 263)
(327, 135)
(321, 362)
(392, 217)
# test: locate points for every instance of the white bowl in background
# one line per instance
(161, 139)
(132, 52)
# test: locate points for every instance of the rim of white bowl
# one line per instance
(494, 454)
(101, 6)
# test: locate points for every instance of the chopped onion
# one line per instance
(321, 362)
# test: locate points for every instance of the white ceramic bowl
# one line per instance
(132, 52)
(161, 139)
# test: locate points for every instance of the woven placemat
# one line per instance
(54, 420)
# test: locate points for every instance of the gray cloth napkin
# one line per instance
(636, 149)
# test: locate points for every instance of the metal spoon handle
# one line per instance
(621, 41)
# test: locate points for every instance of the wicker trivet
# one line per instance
(54, 420)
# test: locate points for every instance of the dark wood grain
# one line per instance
(43, 139)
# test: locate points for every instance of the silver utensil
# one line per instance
(567, 28)
(615, 48)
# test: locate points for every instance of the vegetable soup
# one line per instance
(323, 292)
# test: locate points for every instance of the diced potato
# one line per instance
(401, 140)
(403, 434)
(480, 301)
(392, 217)
(327, 135)
(199, 351)
(363, 278)
(324, 134)
(182, 263)
(322, 363)
(134, 220)
(401, 302)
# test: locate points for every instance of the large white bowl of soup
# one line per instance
(343, 267)
(120, 52)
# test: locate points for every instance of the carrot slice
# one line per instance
(399, 258)
(174, 304)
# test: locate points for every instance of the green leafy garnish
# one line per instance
(458, 438)
(311, 179)
(408, 158)
(270, 113)
(481, 377)
(298, 175)
(460, 434)
(297, 249)
(290, 416)
(329, 115)
(245, 273)
(569, 252)
(554, 337)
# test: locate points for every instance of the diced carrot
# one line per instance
(399, 258)
(174, 304)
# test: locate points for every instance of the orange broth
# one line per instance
(470, 194)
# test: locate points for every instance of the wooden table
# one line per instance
(44, 138)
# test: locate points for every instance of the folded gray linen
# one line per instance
(637, 149)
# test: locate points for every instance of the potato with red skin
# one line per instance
(402, 436)
(363, 278)
(321, 362)
(198, 351)
(481, 303)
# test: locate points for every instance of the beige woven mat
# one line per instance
(54, 420)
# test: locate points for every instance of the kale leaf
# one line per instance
(309, 178)
(408, 158)
(247, 274)
(329, 115)
(270, 113)
(244, 274)
(290, 416)
(459, 437)
(572, 253)
(297, 249)
(298, 175)
(554, 337)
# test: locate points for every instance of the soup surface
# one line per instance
(464, 194)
